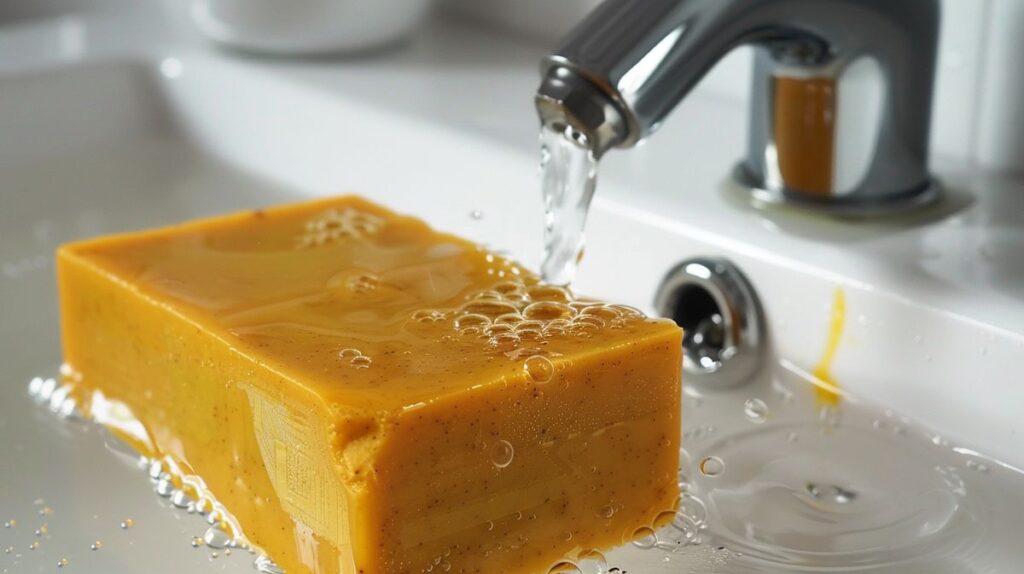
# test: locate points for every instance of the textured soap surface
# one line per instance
(367, 395)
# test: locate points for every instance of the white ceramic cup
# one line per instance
(307, 26)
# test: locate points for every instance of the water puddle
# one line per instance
(772, 483)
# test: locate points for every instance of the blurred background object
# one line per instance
(308, 26)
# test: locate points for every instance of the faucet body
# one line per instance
(842, 89)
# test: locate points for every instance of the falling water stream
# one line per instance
(569, 176)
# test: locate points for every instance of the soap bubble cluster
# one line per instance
(518, 319)
(336, 224)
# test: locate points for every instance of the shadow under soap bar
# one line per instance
(367, 395)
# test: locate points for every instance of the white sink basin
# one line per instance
(124, 133)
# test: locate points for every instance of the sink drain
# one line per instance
(717, 308)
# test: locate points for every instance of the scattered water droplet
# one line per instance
(33, 546)
(196, 542)
(96, 545)
(712, 466)
(755, 410)
(127, 523)
(476, 215)
(63, 562)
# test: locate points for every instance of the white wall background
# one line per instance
(979, 106)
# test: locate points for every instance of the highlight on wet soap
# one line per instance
(367, 395)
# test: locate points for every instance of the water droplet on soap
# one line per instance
(644, 538)
(96, 545)
(127, 523)
(33, 546)
(548, 310)
(363, 283)
(502, 454)
(63, 562)
(488, 308)
(361, 362)
(42, 530)
(607, 511)
(349, 353)
(712, 466)
(196, 542)
(755, 410)
(10, 523)
(472, 321)
(539, 368)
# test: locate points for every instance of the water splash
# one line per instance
(569, 177)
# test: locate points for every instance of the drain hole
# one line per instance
(715, 305)
(697, 312)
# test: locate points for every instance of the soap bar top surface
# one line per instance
(363, 306)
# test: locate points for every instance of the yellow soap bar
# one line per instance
(367, 395)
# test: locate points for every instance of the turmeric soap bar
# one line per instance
(366, 395)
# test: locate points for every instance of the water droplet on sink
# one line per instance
(755, 410)
(712, 466)
(217, 537)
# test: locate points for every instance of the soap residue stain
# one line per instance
(569, 177)
(827, 389)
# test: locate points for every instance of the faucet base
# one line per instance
(844, 206)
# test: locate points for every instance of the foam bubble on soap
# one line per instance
(519, 316)
(336, 225)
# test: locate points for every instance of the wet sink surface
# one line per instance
(116, 143)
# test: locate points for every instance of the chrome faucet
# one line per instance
(842, 90)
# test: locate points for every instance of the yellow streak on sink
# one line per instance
(827, 389)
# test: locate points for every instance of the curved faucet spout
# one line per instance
(619, 74)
